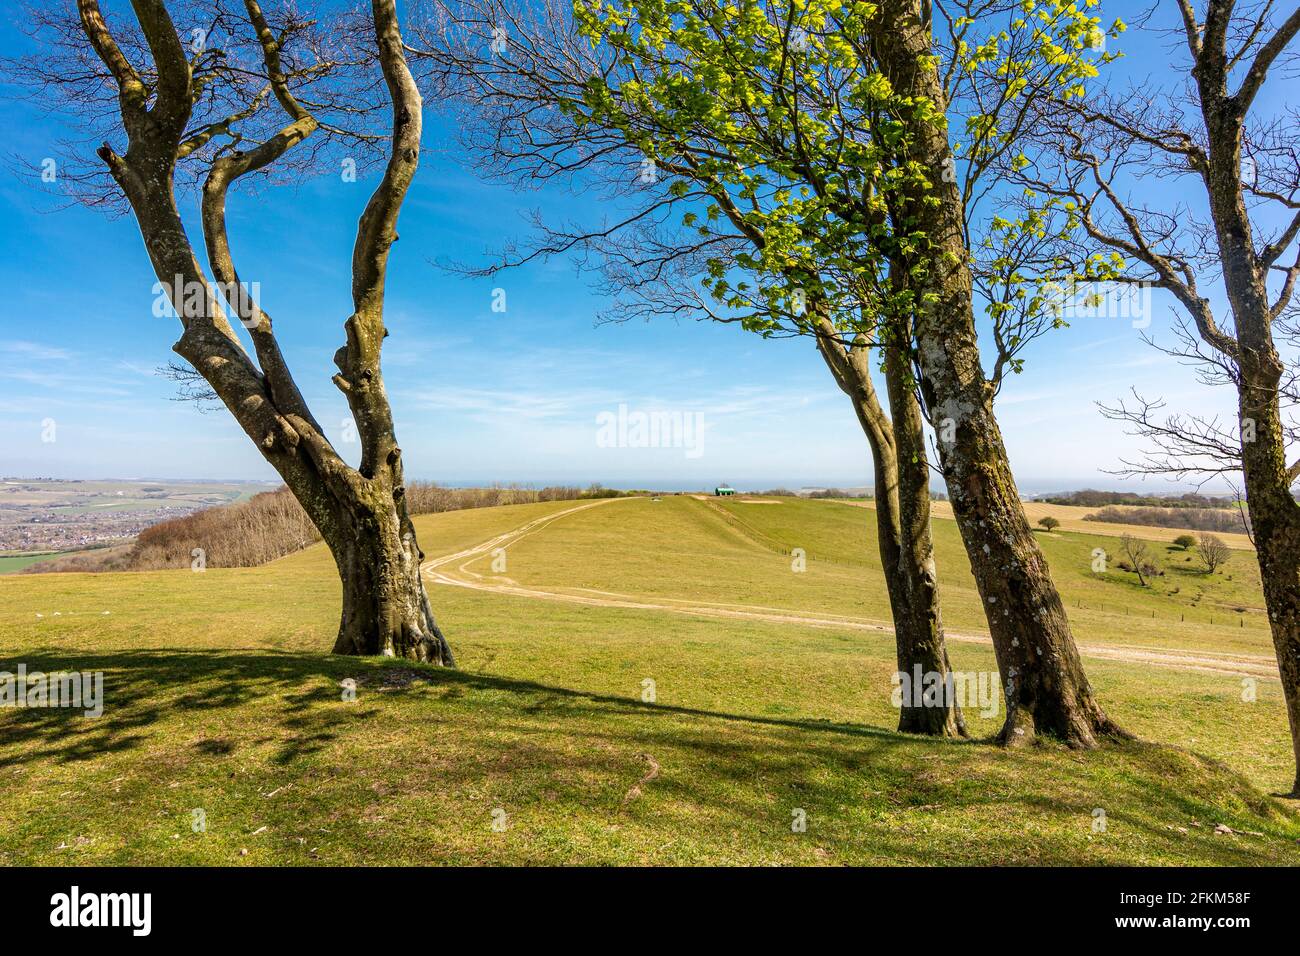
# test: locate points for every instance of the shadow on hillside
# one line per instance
(140, 687)
(529, 738)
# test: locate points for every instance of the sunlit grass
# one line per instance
(221, 696)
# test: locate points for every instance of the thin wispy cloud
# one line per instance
(501, 405)
(33, 351)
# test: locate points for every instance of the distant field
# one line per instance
(16, 562)
(220, 695)
(1227, 607)
(57, 559)
(1071, 518)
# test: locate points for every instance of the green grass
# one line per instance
(220, 695)
(10, 563)
(1105, 605)
(681, 546)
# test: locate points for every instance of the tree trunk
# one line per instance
(1274, 512)
(1275, 523)
(903, 538)
(385, 608)
(924, 633)
(1045, 687)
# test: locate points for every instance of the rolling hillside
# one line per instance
(641, 681)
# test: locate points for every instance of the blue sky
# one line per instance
(478, 395)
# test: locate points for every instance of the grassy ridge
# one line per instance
(220, 696)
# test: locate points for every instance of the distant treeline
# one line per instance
(1092, 498)
(818, 493)
(272, 524)
(1194, 519)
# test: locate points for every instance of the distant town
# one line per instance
(47, 514)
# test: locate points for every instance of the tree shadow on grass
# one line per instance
(141, 687)
(537, 737)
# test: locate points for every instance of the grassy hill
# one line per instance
(682, 546)
(771, 696)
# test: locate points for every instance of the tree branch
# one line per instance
(1258, 72)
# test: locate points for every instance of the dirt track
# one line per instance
(453, 570)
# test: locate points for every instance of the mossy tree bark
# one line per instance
(1275, 523)
(917, 545)
(361, 512)
(902, 523)
(901, 474)
(1046, 689)
(1274, 511)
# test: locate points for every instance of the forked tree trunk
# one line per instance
(1046, 690)
(903, 537)
(361, 512)
(385, 608)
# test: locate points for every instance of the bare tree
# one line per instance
(248, 98)
(1139, 557)
(1236, 219)
(1214, 553)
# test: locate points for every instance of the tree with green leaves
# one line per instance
(819, 133)
(1048, 691)
(521, 118)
